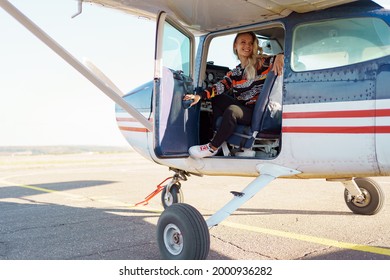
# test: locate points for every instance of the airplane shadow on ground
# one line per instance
(36, 230)
(349, 255)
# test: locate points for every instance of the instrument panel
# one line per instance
(214, 73)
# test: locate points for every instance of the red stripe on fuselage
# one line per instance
(134, 129)
(337, 129)
(338, 114)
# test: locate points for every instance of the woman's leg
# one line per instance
(232, 113)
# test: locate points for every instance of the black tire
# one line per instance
(174, 196)
(182, 233)
(374, 197)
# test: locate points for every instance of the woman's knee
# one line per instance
(233, 111)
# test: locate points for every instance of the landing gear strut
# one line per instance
(171, 192)
(182, 232)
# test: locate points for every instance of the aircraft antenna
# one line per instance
(80, 9)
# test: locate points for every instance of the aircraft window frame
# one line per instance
(339, 42)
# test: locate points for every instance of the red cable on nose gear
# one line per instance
(158, 189)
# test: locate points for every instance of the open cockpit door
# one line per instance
(176, 126)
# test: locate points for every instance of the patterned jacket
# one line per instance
(236, 84)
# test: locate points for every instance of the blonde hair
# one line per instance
(251, 67)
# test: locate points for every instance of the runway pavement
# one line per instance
(81, 207)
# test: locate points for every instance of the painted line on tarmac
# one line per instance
(110, 202)
(311, 239)
(45, 190)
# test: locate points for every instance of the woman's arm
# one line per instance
(278, 64)
(216, 89)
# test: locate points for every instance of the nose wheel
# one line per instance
(182, 233)
(171, 194)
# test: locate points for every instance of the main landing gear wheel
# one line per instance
(373, 197)
(173, 196)
(182, 233)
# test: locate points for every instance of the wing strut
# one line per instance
(268, 172)
(58, 49)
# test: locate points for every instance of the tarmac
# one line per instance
(82, 207)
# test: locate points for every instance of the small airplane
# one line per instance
(327, 116)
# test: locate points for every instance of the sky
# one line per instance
(43, 100)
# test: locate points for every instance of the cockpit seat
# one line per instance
(266, 121)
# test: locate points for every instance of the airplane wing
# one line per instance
(203, 16)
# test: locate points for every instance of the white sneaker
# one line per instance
(202, 151)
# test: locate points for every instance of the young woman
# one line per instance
(244, 84)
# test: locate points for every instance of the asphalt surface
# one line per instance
(81, 207)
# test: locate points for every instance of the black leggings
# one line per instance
(233, 112)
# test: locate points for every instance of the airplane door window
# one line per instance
(176, 50)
